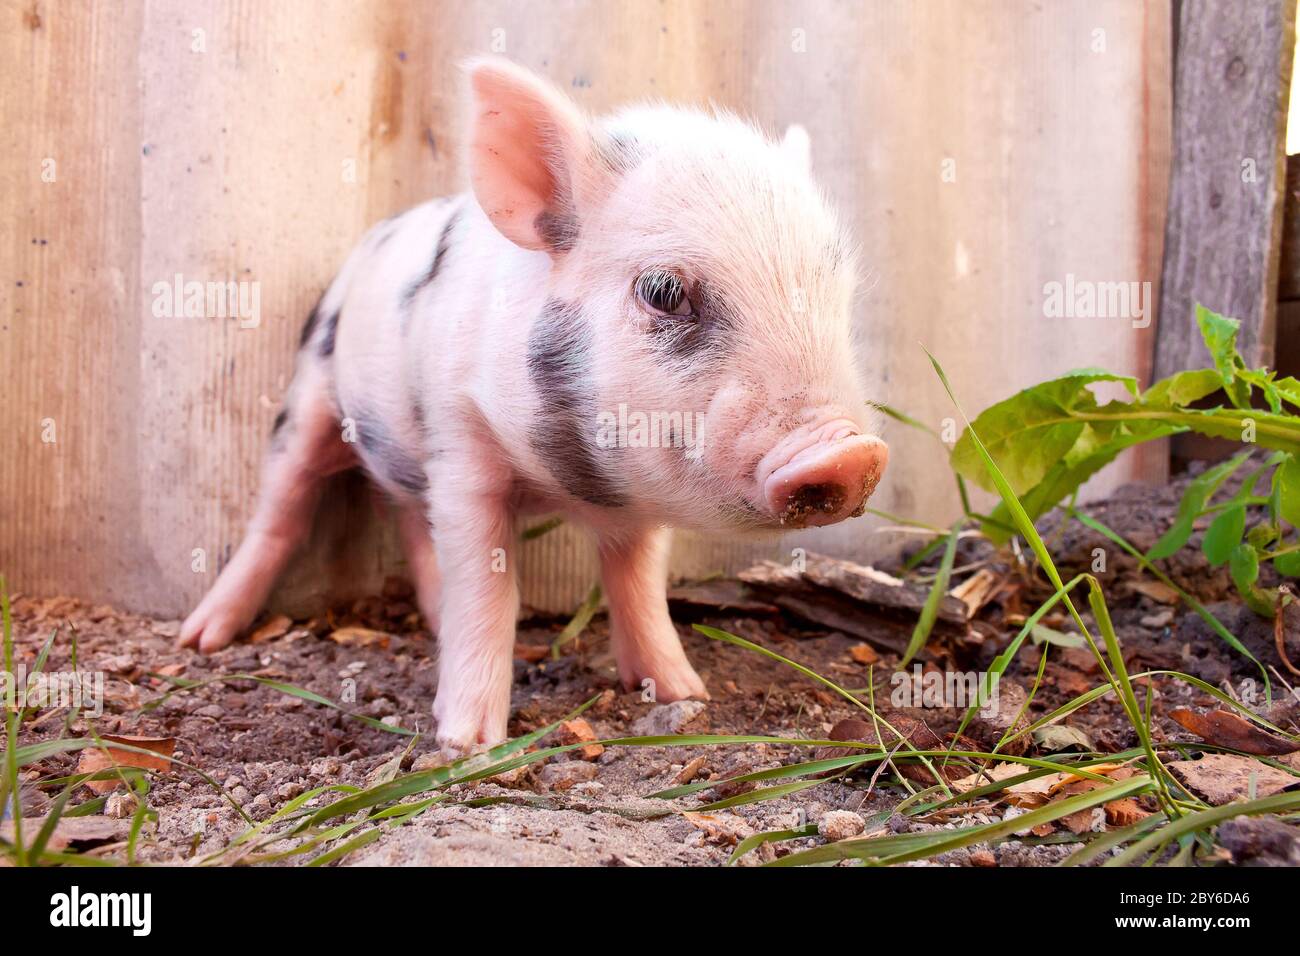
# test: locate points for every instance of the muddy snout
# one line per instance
(827, 481)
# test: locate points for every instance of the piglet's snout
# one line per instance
(827, 481)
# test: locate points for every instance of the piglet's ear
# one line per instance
(530, 148)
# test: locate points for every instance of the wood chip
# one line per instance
(866, 584)
(721, 594)
(976, 591)
(81, 832)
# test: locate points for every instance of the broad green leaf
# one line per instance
(1220, 335)
(1032, 431)
(1195, 498)
(1243, 563)
(1288, 564)
(1286, 479)
(1183, 388)
(1224, 535)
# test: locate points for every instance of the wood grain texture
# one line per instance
(1231, 90)
(230, 163)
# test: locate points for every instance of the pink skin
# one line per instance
(467, 386)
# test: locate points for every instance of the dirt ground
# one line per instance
(266, 747)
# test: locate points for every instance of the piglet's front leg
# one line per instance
(634, 567)
(474, 533)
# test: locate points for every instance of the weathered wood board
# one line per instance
(979, 151)
(1227, 182)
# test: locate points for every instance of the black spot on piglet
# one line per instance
(559, 364)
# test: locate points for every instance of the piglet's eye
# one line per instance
(663, 292)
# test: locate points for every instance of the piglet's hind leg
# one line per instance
(306, 448)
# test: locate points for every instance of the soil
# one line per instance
(267, 747)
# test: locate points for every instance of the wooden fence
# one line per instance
(979, 151)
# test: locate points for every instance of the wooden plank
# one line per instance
(1231, 89)
(228, 162)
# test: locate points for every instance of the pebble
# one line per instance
(1156, 621)
(674, 718)
(838, 825)
(120, 805)
(567, 773)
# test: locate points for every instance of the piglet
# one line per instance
(638, 322)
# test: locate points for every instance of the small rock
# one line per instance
(1261, 841)
(239, 793)
(567, 773)
(675, 718)
(838, 825)
(171, 629)
(1157, 621)
(983, 858)
(287, 791)
(100, 612)
(429, 761)
(516, 779)
(215, 711)
(120, 805)
(326, 767)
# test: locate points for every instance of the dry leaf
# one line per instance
(532, 653)
(1085, 821)
(1222, 778)
(1156, 590)
(277, 626)
(689, 772)
(1124, 812)
(1226, 729)
(96, 759)
(360, 637)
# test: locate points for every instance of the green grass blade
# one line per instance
(930, 610)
